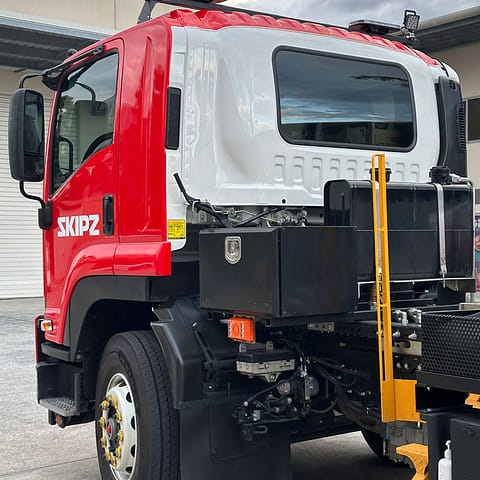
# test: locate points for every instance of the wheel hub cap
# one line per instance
(118, 428)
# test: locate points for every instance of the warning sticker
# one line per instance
(177, 229)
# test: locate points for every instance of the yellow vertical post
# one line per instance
(382, 284)
(397, 395)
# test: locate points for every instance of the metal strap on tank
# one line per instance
(441, 229)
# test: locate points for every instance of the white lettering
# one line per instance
(61, 227)
(78, 226)
(93, 226)
(83, 222)
(70, 232)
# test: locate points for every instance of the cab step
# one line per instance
(63, 406)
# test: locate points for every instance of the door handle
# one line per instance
(108, 217)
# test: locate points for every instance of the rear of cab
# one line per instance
(273, 109)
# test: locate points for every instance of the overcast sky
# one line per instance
(341, 12)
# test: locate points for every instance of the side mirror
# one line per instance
(26, 133)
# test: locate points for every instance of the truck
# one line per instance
(221, 278)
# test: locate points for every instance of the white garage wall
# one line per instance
(20, 237)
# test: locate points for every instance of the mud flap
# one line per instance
(212, 447)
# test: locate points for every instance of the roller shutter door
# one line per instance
(20, 237)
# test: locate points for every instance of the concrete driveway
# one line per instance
(30, 449)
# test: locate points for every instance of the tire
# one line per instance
(375, 442)
(136, 425)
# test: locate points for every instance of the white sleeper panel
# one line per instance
(231, 150)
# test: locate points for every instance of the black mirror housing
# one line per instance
(26, 133)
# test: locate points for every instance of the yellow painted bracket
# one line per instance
(399, 400)
(397, 396)
(473, 400)
(418, 454)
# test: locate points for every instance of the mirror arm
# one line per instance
(30, 197)
(44, 213)
(26, 77)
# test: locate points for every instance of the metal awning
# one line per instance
(449, 31)
(29, 44)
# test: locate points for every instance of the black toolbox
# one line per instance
(279, 271)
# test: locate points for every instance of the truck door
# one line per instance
(82, 179)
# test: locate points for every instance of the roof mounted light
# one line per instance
(407, 30)
(411, 21)
(373, 27)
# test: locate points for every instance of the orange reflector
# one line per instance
(46, 326)
(241, 329)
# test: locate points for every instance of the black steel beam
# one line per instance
(206, 5)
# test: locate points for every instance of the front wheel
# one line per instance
(136, 425)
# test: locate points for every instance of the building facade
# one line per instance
(37, 34)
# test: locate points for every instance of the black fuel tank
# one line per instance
(413, 227)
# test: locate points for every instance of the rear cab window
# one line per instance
(343, 102)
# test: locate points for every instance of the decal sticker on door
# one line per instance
(78, 226)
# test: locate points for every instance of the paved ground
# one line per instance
(30, 449)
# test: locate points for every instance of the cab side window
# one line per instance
(343, 102)
(85, 116)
